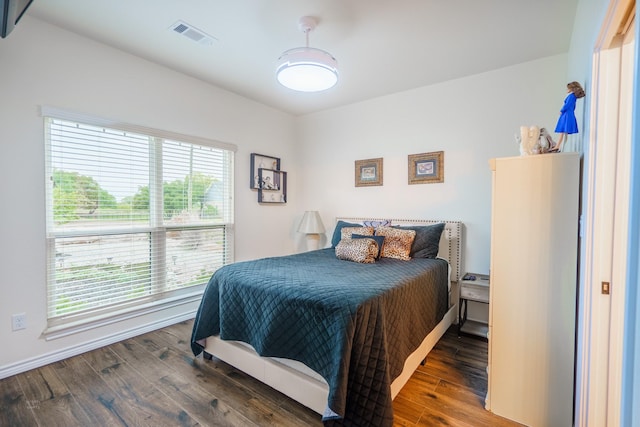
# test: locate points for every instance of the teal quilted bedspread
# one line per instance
(353, 323)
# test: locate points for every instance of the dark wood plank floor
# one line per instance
(154, 380)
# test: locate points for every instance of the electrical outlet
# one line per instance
(19, 321)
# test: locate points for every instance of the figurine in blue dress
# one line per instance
(567, 123)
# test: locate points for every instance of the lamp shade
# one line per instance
(307, 69)
(311, 223)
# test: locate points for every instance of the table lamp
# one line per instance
(312, 226)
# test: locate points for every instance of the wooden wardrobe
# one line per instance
(533, 287)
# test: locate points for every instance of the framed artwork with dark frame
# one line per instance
(368, 172)
(260, 161)
(426, 168)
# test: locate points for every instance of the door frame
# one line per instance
(603, 319)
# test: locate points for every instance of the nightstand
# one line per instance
(473, 287)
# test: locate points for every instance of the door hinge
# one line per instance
(606, 288)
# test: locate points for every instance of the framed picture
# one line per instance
(368, 172)
(259, 161)
(274, 186)
(426, 168)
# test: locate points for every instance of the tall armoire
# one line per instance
(533, 287)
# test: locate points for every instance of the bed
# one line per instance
(340, 337)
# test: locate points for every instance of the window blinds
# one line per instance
(132, 217)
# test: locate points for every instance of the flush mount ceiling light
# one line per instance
(307, 69)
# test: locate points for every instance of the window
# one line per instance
(135, 217)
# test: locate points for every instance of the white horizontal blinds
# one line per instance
(132, 218)
(96, 174)
(99, 271)
(193, 255)
(194, 183)
(194, 177)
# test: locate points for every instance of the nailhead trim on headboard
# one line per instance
(452, 234)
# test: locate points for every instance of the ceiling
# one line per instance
(382, 46)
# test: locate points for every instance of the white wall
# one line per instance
(471, 119)
(588, 22)
(586, 29)
(43, 65)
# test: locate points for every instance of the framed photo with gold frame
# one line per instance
(368, 172)
(426, 168)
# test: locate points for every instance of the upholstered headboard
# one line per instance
(450, 241)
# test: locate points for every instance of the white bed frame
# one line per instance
(302, 384)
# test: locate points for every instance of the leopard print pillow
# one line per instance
(397, 243)
(346, 232)
(357, 250)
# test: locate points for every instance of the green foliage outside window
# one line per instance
(76, 195)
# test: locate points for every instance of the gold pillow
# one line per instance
(397, 243)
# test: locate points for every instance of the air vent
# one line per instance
(192, 33)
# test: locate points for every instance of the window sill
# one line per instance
(61, 330)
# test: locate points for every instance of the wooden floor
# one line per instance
(154, 380)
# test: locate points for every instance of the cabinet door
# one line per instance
(534, 249)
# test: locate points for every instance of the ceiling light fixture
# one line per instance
(307, 69)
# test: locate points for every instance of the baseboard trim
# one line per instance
(56, 356)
